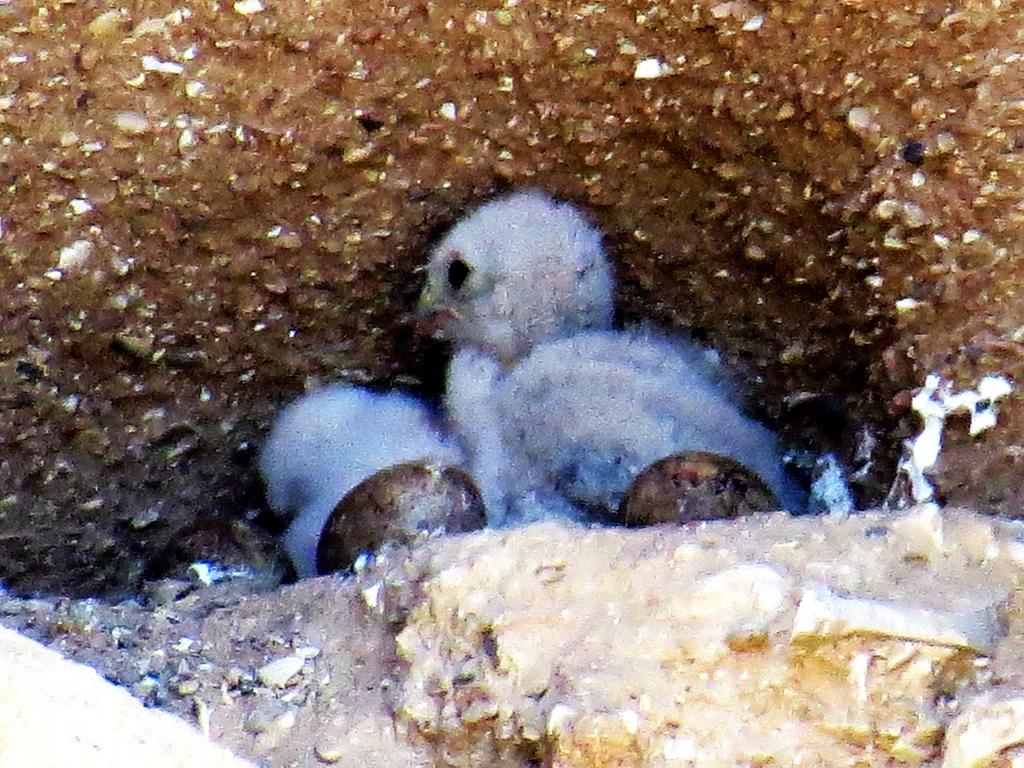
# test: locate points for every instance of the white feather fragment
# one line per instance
(829, 490)
(579, 418)
(934, 403)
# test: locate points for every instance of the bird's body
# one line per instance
(568, 428)
(327, 442)
(557, 412)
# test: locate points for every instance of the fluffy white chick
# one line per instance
(566, 430)
(557, 412)
(519, 270)
(328, 441)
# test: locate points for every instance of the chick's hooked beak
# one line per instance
(431, 317)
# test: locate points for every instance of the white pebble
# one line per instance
(860, 119)
(186, 139)
(248, 7)
(74, 256)
(132, 123)
(650, 69)
(79, 206)
(154, 64)
(279, 672)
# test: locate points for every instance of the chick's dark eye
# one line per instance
(458, 271)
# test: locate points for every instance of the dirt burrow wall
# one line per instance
(207, 206)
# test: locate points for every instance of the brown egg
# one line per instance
(693, 486)
(227, 543)
(394, 506)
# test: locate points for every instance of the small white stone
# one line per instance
(630, 721)
(79, 206)
(681, 750)
(448, 111)
(970, 236)
(914, 216)
(186, 139)
(907, 304)
(132, 123)
(560, 715)
(886, 209)
(279, 672)
(371, 596)
(193, 88)
(748, 596)
(248, 7)
(74, 256)
(860, 119)
(650, 69)
(153, 64)
(753, 24)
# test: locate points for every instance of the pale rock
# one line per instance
(989, 725)
(278, 673)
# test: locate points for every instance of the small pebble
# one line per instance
(271, 715)
(278, 673)
(649, 69)
(74, 256)
(248, 7)
(329, 753)
(132, 123)
(187, 686)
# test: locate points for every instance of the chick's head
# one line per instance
(520, 270)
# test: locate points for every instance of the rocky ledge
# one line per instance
(868, 640)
